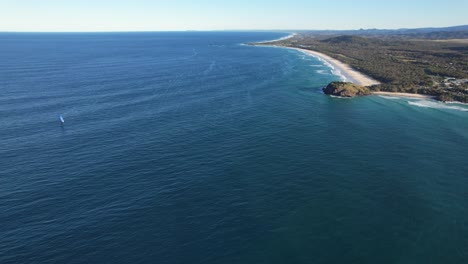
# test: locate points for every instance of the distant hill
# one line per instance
(434, 29)
(351, 39)
(422, 33)
(344, 39)
(434, 35)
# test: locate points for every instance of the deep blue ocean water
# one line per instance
(192, 148)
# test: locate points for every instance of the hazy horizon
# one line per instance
(208, 15)
(231, 30)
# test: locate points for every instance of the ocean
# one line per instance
(190, 147)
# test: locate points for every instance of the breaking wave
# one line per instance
(322, 71)
(390, 97)
(340, 97)
(437, 105)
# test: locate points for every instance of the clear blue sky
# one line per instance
(162, 15)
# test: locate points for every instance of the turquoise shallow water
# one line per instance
(191, 148)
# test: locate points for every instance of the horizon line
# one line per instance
(224, 30)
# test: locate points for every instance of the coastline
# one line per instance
(411, 95)
(344, 70)
(279, 39)
(347, 73)
(339, 68)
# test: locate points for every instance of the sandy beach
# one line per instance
(351, 75)
(347, 73)
(340, 68)
(421, 96)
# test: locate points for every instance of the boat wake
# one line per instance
(210, 68)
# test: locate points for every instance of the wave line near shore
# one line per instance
(341, 69)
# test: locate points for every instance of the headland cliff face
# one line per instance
(345, 89)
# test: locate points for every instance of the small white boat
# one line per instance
(62, 121)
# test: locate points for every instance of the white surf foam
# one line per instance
(390, 97)
(456, 103)
(334, 71)
(437, 105)
(339, 74)
(340, 97)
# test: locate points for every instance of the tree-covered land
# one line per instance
(401, 63)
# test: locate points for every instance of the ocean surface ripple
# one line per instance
(191, 148)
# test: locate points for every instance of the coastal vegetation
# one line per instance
(401, 63)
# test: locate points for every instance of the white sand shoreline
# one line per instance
(344, 70)
(339, 68)
(279, 39)
(412, 95)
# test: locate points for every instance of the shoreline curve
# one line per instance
(344, 70)
(341, 69)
